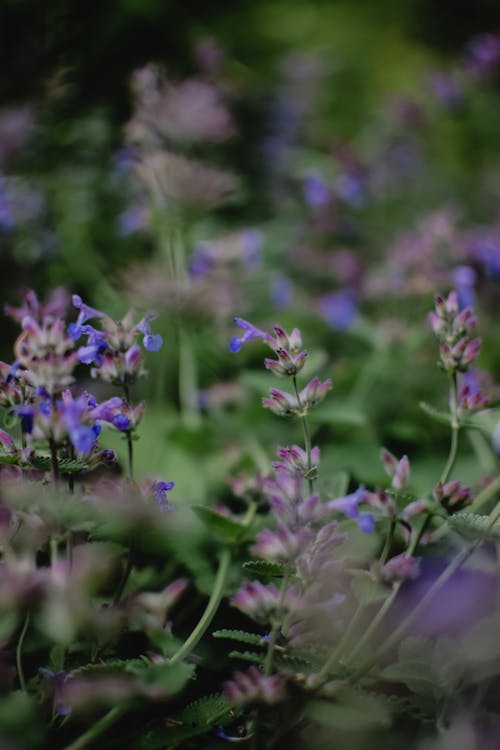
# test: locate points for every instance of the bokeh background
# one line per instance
(326, 164)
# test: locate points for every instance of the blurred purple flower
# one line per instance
(339, 309)
(281, 292)
(464, 278)
(316, 191)
(160, 490)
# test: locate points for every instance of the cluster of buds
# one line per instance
(113, 350)
(291, 360)
(288, 349)
(453, 496)
(453, 328)
(399, 471)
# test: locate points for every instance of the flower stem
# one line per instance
(19, 649)
(268, 663)
(128, 433)
(307, 436)
(390, 599)
(210, 610)
(97, 729)
(455, 427)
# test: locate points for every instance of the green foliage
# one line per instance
(352, 710)
(474, 526)
(239, 635)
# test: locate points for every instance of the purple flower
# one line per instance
(86, 313)
(152, 342)
(465, 278)
(349, 505)
(339, 309)
(160, 490)
(316, 191)
(56, 681)
(251, 332)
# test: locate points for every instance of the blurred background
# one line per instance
(324, 164)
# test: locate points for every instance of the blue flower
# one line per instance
(251, 332)
(316, 191)
(75, 330)
(339, 309)
(151, 342)
(160, 492)
(349, 505)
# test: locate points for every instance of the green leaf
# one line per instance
(439, 416)
(223, 527)
(239, 635)
(196, 719)
(265, 568)
(414, 674)
(205, 711)
(475, 526)
(9, 458)
(251, 656)
(65, 465)
(170, 677)
(352, 710)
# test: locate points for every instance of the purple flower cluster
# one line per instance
(113, 349)
(453, 328)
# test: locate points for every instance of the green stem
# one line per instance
(455, 427)
(129, 433)
(485, 495)
(388, 543)
(390, 599)
(210, 610)
(273, 637)
(97, 729)
(307, 436)
(19, 650)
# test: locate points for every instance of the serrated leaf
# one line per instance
(352, 710)
(65, 465)
(205, 711)
(265, 568)
(196, 719)
(366, 588)
(239, 635)
(475, 526)
(250, 656)
(225, 528)
(439, 416)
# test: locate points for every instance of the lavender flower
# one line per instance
(160, 494)
(251, 332)
(349, 505)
